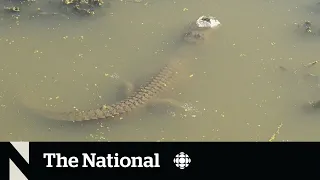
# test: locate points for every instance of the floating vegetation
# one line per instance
(65, 8)
(308, 28)
(82, 7)
(273, 137)
(12, 9)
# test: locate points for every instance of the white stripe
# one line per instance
(15, 173)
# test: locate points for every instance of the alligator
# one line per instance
(196, 33)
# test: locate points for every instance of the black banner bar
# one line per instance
(4, 160)
(204, 157)
(172, 159)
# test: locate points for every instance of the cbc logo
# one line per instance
(182, 160)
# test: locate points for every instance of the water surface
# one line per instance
(232, 85)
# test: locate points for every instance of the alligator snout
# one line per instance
(194, 36)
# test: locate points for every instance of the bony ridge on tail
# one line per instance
(197, 31)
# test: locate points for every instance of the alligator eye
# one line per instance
(206, 19)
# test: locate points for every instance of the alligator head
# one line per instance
(197, 31)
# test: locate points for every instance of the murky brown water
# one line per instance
(233, 85)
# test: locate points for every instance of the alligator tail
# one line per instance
(156, 85)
